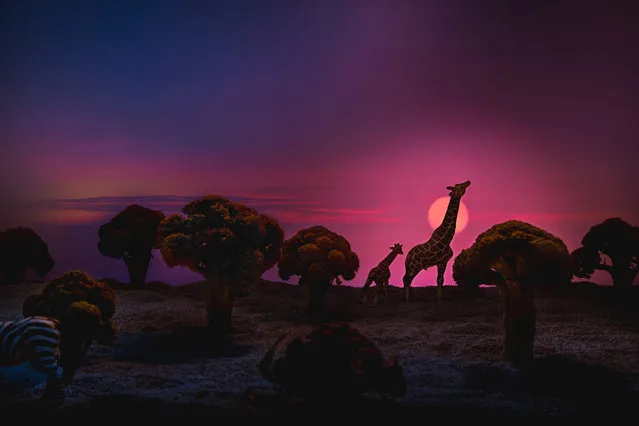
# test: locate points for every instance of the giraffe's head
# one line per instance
(458, 190)
(397, 248)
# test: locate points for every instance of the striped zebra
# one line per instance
(35, 340)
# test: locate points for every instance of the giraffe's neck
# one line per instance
(446, 231)
(388, 259)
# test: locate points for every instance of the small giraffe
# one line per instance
(380, 274)
(436, 251)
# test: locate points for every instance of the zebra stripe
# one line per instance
(35, 340)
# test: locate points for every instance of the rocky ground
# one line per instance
(587, 352)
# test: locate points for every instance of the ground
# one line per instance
(587, 352)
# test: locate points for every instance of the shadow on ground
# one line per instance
(119, 407)
(181, 345)
(557, 376)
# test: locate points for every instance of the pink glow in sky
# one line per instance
(354, 115)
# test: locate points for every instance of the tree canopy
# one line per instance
(546, 255)
(611, 246)
(317, 254)
(84, 307)
(131, 235)
(131, 231)
(22, 249)
(68, 288)
(215, 236)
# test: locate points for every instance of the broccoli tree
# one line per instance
(82, 323)
(611, 246)
(469, 273)
(84, 307)
(22, 249)
(319, 256)
(517, 257)
(131, 235)
(231, 245)
(472, 267)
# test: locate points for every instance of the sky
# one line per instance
(350, 114)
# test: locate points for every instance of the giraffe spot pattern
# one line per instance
(436, 251)
(378, 273)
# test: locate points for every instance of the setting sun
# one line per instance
(437, 211)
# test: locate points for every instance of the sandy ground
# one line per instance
(587, 351)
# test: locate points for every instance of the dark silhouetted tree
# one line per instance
(611, 246)
(22, 249)
(229, 244)
(517, 257)
(132, 235)
(84, 307)
(514, 266)
(472, 267)
(319, 256)
(82, 323)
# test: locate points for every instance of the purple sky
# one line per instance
(351, 114)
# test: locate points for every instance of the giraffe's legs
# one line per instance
(366, 289)
(441, 268)
(384, 290)
(380, 291)
(409, 276)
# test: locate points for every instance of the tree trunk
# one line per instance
(622, 277)
(72, 353)
(316, 294)
(220, 300)
(519, 323)
(138, 267)
(472, 291)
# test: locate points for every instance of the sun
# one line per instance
(437, 211)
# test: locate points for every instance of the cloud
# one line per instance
(70, 216)
(348, 211)
(544, 217)
(285, 208)
(332, 216)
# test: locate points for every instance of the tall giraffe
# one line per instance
(436, 251)
(381, 273)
